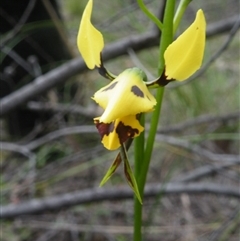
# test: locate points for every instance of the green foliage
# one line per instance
(50, 153)
(75, 7)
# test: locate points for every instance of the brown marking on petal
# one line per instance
(111, 86)
(104, 128)
(125, 132)
(162, 80)
(136, 91)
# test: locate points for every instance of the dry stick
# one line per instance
(75, 66)
(31, 161)
(58, 25)
(59, 133)
(18, 148)
(108, 229)
(224, 158)
(20, 22)
(203, 119)
(89, 112)
(203, 171)
(116, 193)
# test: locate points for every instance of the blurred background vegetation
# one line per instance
(202, 113)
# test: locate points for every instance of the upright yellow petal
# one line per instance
(89, 40)
(184, 56)
(126, 95)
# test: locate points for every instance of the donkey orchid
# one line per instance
(123, 99)
(127, 95)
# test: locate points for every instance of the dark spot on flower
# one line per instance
(162, 80)
(110, 87)
(125, 132)
(136, 91)
(104, 128)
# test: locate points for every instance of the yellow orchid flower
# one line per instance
(127, 94)
(124, 96)
(123, 99)
(184, 56)
(89, 40)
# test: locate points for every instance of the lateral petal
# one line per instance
(184, 56)
(89, 40)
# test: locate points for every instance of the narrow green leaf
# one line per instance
(129, 174)
(115, 164)
(111, 169)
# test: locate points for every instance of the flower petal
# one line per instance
(126, 95)
(118, 131)
(184, 56)
(89, 40)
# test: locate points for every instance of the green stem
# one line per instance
(139, 148)
(166, 39)
(141, 172)
(138, 160)
(149, 14)
(179, 13)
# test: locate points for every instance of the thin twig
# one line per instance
(202, 152)
(203, 171)
(109, 229)
(115, 193)
(59, 133)
(32, 159)
(58, 24)
(90, 112)
(203, 119)
(18, 148)
(20, 23)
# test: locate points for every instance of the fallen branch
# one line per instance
(203, 119)
(19, 149)
(59, 133)
(116, 193)
(203, 171)
(89, 112)
(196, 149)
